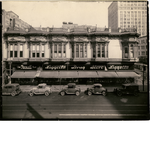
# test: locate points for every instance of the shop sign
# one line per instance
(97, 67)
(118, 67)
(78, 67)
(59, 67)
(26, 67)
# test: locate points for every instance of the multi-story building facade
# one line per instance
(10, 20)
(75, 54)
(127, 14)
(142, 46)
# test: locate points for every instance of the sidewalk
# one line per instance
(57, 88)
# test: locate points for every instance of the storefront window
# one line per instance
(77, 50)
(21, 50)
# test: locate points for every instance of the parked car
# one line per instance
(129, 88)
(97, 89)
(70, 89)
(11, 89)
(41, 89)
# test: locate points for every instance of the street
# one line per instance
(75, 107)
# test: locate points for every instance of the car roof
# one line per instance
(71, 84)
(42, 84)
(97, 84)
(130, 84)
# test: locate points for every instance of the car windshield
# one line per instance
(40, 87)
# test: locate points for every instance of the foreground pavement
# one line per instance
(75, 107)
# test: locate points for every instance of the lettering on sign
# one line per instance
(78, 67)
(113, 67)
(26, 67)
(55, 67)
(97, 67)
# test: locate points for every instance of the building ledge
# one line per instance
(59, 59)
(38, 59)
(17, 59)
(80, 59)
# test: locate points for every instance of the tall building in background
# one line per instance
(128, 15)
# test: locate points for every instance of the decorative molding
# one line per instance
(38, 38)
(59, 39)
(16, 39)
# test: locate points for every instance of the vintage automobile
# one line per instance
(11, 89)
(129, 88)
(97, 89)
(70, 89)
(41, 89)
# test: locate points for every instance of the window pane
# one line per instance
(98, 51)
(33, 47)
(81, 50)
(15, 46)
(11, 53)
(55, 51)
(94, 52)
(43, 47)
(42, 54)
(38, 54)
(21, 53)
(85, 54)
(103, 50)
(21, 47)
(59, 51)
(126, 52)
(77, 50)
(11, 47)
(33, 54)
(64, 51)
(15, 53)
(38, 47)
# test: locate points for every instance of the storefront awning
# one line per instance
(24, 74)
(106, 74)
(68, 74)
(127, 74)
(88, 74)
(49, 74)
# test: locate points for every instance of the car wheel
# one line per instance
(89, 93)
(31, 94)
(13, 93)
(104, 93)
(46, 93)
(77, 93)
(136, 93)
(119, 93)
(62, 93)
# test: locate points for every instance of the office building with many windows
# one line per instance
(128, 14)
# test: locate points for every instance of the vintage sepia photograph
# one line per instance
(75, 60)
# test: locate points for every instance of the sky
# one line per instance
(48, 14)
